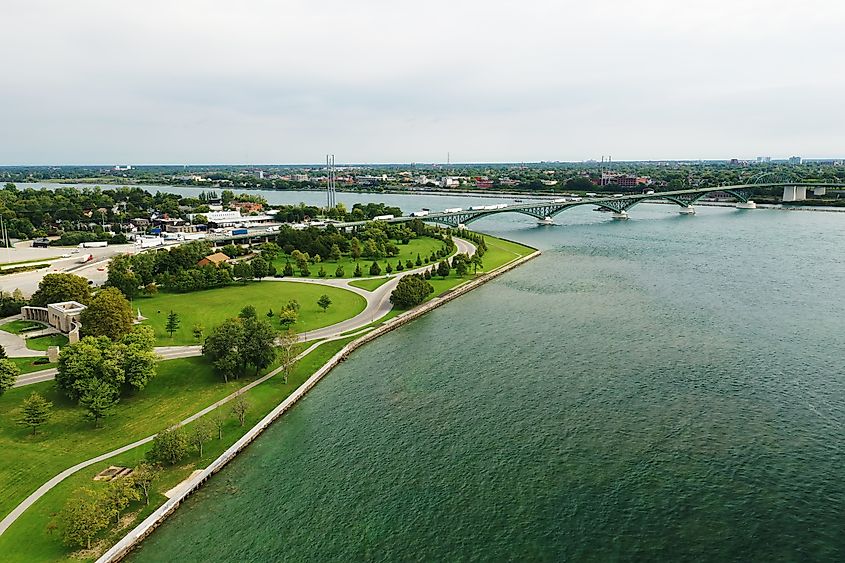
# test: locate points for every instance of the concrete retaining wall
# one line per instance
(125, 545)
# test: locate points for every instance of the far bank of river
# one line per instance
(407, 200)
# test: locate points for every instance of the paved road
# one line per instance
(166, 353)
(28, 282)
(378, 305)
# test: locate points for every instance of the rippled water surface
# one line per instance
(666, 388)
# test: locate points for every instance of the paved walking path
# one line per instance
(378, 303)
(43, 489)
(14, 344)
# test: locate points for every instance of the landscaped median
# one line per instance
(183, 387)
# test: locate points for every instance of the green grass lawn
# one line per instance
(182, 387)
(29, 538)
(499, 252)
(28, 365)
(213, 306)
(423, 246)
(41, 343)
(20, 325)
(371, 284)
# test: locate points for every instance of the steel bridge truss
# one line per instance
(546, 210)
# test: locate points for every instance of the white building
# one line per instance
(63, 316)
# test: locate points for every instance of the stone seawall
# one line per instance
(142, 530)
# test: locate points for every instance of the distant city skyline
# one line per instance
(192, 82)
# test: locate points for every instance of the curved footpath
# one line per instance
(378, 305)
(142, 530)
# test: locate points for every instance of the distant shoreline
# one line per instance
(432, 192)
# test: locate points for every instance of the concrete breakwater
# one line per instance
(134, 537)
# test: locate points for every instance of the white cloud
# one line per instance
(261, 81)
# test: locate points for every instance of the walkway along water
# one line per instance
(131, 540)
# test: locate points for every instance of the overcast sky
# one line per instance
(287, 81)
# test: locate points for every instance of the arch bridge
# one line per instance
(545, 210)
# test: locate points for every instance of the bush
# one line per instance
(411, 291)
(169, 447)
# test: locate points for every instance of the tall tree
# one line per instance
(143, 476)
(476, 262)
(410, 291)
(218, 422)
(109, 314)
(224, 346)
(288, 347)
(201, 433)
(169, 446)
(9, 373)
(259, 348)
(122, 276)
(82, 518)
(243, 271)
(55, 288)
(287, 317)
(173, 323)
(35, 412)
(259, 268)
(443, 269)
(117, 496)
(139, 361)
(239, 408)
(98, 399)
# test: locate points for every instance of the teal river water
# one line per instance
(666, 388)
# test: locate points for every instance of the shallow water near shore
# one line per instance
(663, 388)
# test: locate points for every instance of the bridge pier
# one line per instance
(746, 205)
(794, 193)
(688, 210)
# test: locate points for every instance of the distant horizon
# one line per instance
(774, 160)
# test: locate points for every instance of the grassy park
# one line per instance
(499, 252)
(181, 388)
(423, 246)
(213, 306)
(161, 404)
